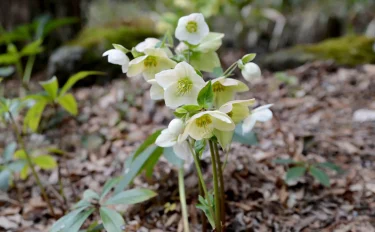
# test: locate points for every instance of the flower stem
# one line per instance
(216, 188)
(221, 180)
(230, 69)
(203, 217)
(200, 177)
(31, 165)
(181, 189)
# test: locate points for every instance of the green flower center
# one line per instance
(192, 26)
(203, 121)
(230, 114)
(150, 61)
(218, 87)
(184, 86)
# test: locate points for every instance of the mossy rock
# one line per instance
(350, 50)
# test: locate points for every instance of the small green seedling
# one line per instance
(54, 96)
(316, 170)
(101, 204)
(8, 166)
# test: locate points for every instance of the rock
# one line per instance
(364, 115)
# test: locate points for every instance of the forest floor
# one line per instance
(318, 118)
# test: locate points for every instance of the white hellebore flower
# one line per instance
(225, 89)
(261, 114)
(154, 61)
(181, 85)
(148, 43)
(118, 57)
(172, 137)
(156, 91)
(192, 28)
(251, 71)
(205, 124)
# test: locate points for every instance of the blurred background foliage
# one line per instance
(283, 32)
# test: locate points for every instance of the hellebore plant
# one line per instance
(206, 110)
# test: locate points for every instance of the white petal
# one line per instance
(248, 124)
(156, 52)
(166, 139)
(156, 91)
(262, 115)
(136, 66)
(174, 100)
(184, 69)
(176, 126)
(166, 78)
(220, 116)
(182, 150)
(116, 57)
(148, 43)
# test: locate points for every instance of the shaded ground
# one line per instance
(313, 122)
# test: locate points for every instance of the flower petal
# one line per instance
(182, 150)
(166, 139)
(156, 91)
(136, 66)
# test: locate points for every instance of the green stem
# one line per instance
(31, 165)
(221, 180)
(181, 188)
(216, 188)
(200, 177)
(230, 69)
(28, 70)
(203, 217)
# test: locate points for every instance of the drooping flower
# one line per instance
(251, 71)
(181, 85)
(172, 137)
(156, 91)
(155, 60)
(261, 114)
(205, 124)
(192, 28)
(225, 89)
(148, 43)
(118, 57)
(237, 110)
(210, 42)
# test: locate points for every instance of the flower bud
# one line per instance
(251, 71)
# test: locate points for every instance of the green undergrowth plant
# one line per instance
(298, 169)
(33, 35)
(103, 205)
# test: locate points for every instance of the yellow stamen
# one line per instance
(203, 121)
(192, 26)
(218, 87)
(150, 61)
(184, 86)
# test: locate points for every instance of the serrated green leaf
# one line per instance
(64, 223)
(247, 138)
(172, 158)
(134, 167)
(132, 196)
(45, 162)
(112, 221)
(249, 57)
(8, 58)
(68, 102)
(34, 115)
(75, 78)
(331, 166)
(283, 161)
(206, 96)
(295, 173)
(109, 185)
(51, 87)
(9, 151)
(32, 48)
(90, 194)
(319, 175)
(79, 220)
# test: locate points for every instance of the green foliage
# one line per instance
(247, 58)
(206, 62)
(172, 158)
(205, 207)
(286, 79)
(206, 96)
(187, 111)
(53, 96)
(315, 170)
(144, 158)
(92, 201)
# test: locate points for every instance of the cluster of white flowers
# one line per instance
(177, 79)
